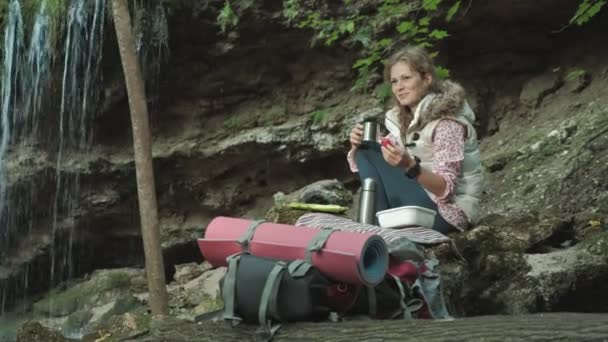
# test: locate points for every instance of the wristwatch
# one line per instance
(414, 171)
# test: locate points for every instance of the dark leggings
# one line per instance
(393, 188)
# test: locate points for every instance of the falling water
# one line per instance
(151, 42)
(13, 55)
(79, 96)
(36, 77)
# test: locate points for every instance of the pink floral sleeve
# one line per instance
(350, 157)
(448, 154)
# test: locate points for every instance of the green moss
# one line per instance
(273, 116)
(206, 305)
(123, 304)
(284, 215)
(120, 327)
(212, 304)
(319, 117)
(62, 303)
(233, 123)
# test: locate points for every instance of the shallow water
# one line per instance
(9, 323)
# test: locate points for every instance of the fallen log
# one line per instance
(537, 327)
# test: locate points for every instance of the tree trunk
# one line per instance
(538, 327)
(143, 159)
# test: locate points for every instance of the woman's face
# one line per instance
(408, 85)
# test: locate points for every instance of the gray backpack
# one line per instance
(269, 291)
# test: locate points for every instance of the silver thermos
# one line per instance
(367, 202)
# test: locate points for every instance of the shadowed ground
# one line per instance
(539, 327)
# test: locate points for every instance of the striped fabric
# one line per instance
(394, 238)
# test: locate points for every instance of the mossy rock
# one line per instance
(208, 304)
(121, 327)
(284, 215)
(34, 331)
(63, 303)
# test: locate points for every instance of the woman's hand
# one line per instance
(397, 156)
(356, 136)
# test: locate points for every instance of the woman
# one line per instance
(440, 167)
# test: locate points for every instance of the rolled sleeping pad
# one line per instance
(349, 257)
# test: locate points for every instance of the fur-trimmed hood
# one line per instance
(448, 102)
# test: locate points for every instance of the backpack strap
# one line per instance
(407, 313)
(268, 302)
(372, 301)
(229, 289)
(428, 285)
(245, 239)
(299, 268)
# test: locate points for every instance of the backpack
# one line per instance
(409, 290)
(269, 291)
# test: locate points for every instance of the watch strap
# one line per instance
(414, 171)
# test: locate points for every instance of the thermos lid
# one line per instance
(369, 184)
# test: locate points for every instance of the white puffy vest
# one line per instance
(468, 185)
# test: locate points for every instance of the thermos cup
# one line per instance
(370, 131)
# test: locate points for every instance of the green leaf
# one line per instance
(406, 26)
(431, 5)
(384, 92)
(452, 11)
(424, 21)
(363, 36)
(290, 9)
(442, 72)
(574, 74)
(438, 34)
(587, 9)
(384, 43)
(591, 12)
(582, 8)
(227, 17)
(347, 26)
(362, 62)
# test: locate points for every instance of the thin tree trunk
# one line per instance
(143, 159)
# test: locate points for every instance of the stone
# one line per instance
(577, 80)
(186, 272)
(34, 331)
(327, 191)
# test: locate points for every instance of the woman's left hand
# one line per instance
(396, 156)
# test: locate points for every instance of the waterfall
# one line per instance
(13, 56)
(38, 123)
(79, 97)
